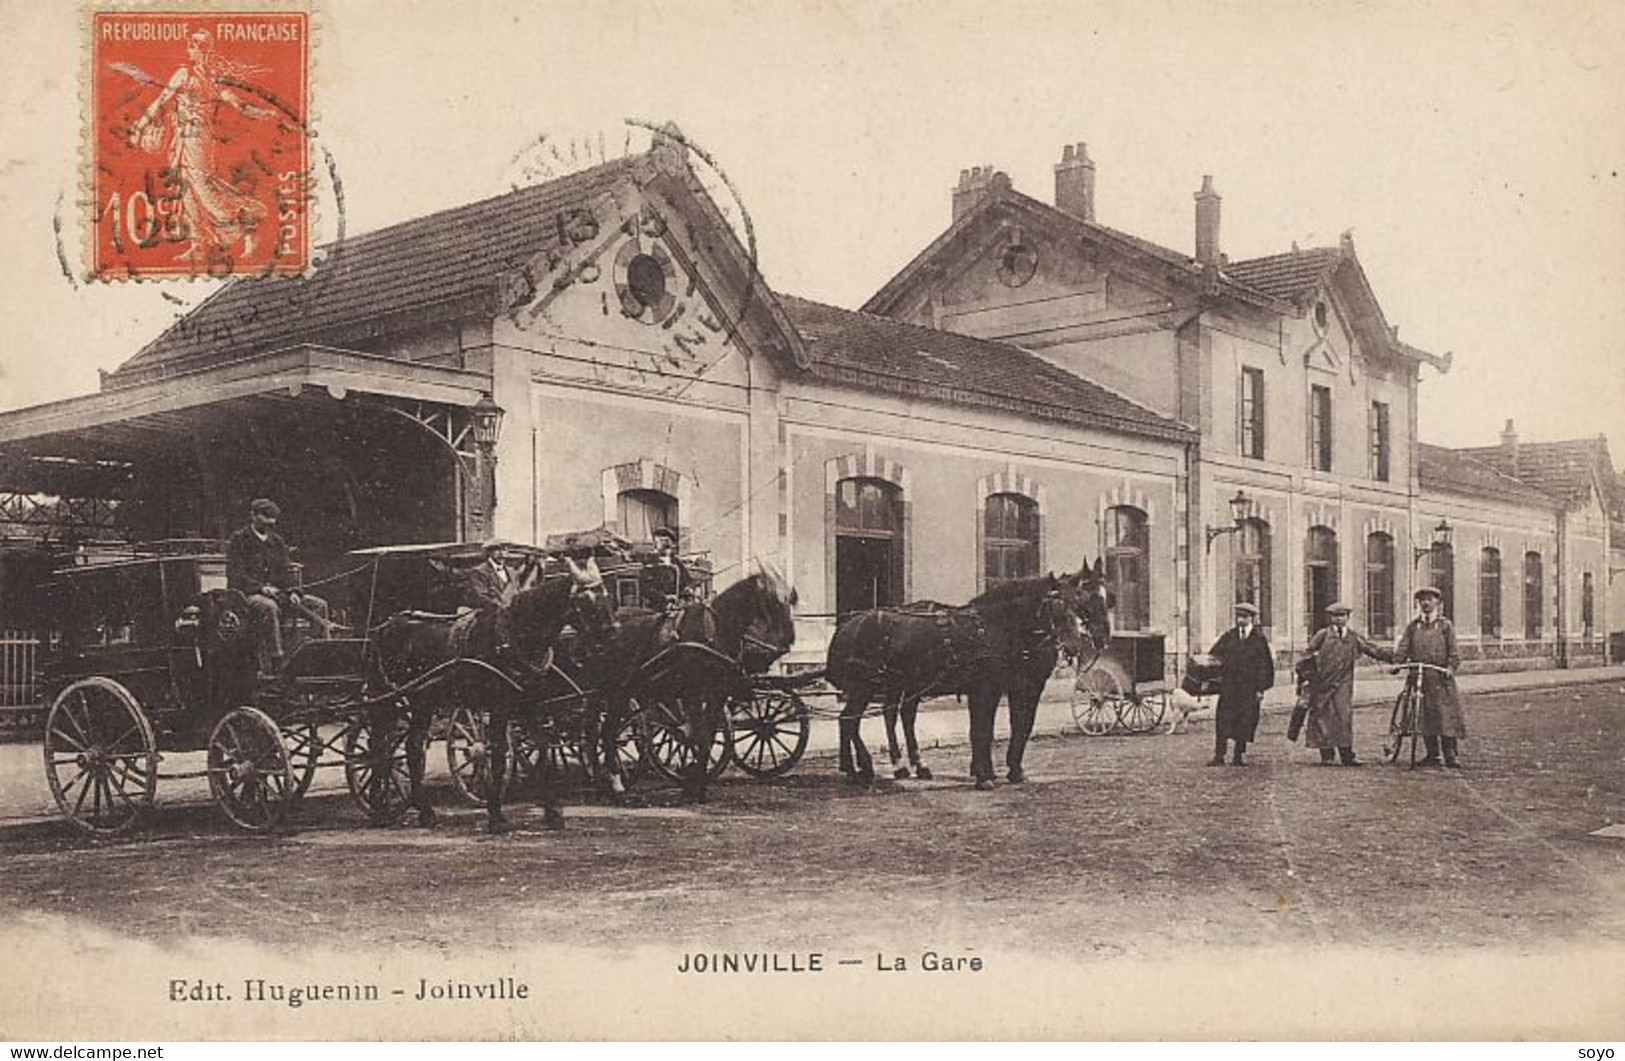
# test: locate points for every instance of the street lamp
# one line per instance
(1441, 537)
(1240, 506)
(485, 424)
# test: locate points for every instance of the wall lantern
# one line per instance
(1240, 506)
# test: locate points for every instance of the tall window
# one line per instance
(1489, 593)
(1320, 575)
(868, 545)
(641, 511)
(1009, 538)
(1380, 452)
(1442, 574)
(1379, 584)
(1127, 545)
(1588, 607)
(1252, 413)
(1320, 428)
(1252, 574)
(1534, 591)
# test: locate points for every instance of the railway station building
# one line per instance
(1034, 390)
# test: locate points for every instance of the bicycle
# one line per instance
(1406, 718)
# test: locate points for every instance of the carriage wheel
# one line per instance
(468, 755)
(770, 732)
(304, 743)
(375, 767)
(1141, 714)
(665, 747)
(1096, 697)
(101, 758)
(250, 772)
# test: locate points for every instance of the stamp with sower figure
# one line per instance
(197, 143)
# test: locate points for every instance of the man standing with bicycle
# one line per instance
(1430, 638)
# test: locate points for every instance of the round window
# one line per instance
(1321, 316)
(646, 279)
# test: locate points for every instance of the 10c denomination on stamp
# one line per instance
(198, 143)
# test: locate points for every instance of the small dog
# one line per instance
(1184, 708)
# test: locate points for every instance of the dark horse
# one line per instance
(1003, 642)
(696, 663)
(514, 642)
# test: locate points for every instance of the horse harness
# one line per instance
(944, 619)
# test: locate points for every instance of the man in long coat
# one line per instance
(1247, 668)
(1431, 638)
(1334, 650)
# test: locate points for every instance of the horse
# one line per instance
(1004, 642)
(696, 659)
(516, 640)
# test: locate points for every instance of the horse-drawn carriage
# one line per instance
(154, 657)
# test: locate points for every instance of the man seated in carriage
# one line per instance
(257, 566)
(665, 582)
(490, 584)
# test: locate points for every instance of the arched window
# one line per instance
(641, 511)
(1489, 593)
(1252, 567)
(1319, 575)
(1128, 544)
(1534, 593)
(1009, 538)
(1442, 573)
(1588, 607)
(868, 544)
(1379, 584)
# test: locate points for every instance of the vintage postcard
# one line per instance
(530, 521)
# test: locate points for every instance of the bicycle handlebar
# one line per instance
(1420, 666)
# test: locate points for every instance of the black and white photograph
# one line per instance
(812, 521)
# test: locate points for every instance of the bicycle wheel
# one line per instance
(1401, 724)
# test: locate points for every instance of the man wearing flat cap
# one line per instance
(1430, 638)
(1328, 668)
(1246, 669)
(257, 567)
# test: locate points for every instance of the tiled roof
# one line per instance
(449, 259)
(1458, 472)
(885, 299)
(1562, 469)
(1287, 276)
(861, 349)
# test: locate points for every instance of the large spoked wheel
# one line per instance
(468, 755)
(1401, 726)
(250, 773)
(1096, 700)
(770, 732)
(1140, 714)
(375, 767)
(101, 758)
(666, 747)
(304, 743)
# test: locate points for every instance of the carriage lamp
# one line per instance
(1240, 506)
(1441, 538)
(486, 421)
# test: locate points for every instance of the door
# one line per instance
(863, 573)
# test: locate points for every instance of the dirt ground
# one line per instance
(1114, 846)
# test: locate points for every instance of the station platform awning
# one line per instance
(126, 423)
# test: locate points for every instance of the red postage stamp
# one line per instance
(198, 143)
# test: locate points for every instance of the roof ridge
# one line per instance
(1050, 365)
(1462, 454)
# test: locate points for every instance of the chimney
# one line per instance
(1075, 182)
(973, 184)
(1509, 446)
(1207, 224)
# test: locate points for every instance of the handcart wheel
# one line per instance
(375, 767)
(665, 746)
(468, 755)
(101, 758)
(1096, 697)
(770, 732)
(250, 773)
(1141, 714)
